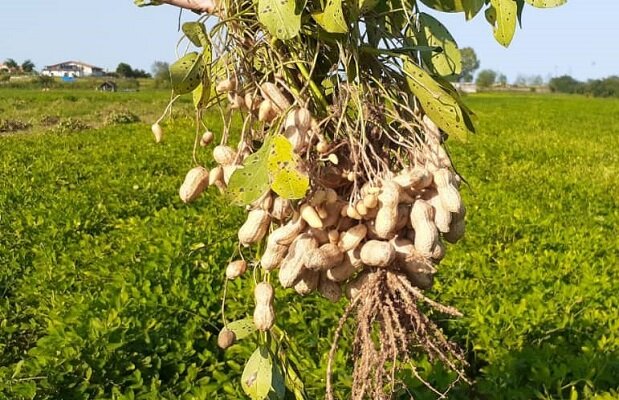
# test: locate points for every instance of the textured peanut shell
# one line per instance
(224, 155)
(442, 216)
(281, 208)
(385, 222)
(265, 111)
(342, 271)
(225, 86)
(308, 282)
(157, 132)
(329, 289)
(449, 195)
(235, 269)
(194, 184)
(309, 214)
(273, 256)
(353, 288)
(264, 317)
(352, 237)
(426, 234)
(216, 175)
(419, 271)
(206, 138)
(255, 227)
(377, 253)
(292, 266)
(285, 234)
(271, 91)
(325, 257)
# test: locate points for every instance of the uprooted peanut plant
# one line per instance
(342, 166)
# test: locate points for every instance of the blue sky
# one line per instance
(580, 38)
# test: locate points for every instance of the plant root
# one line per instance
(391, 328)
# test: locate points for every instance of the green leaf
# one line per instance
(331, 19)
(286, 179)
(366, 5)
(242, 328)
(506, 20)
(250, 182)
(202, 94)
(262, 378)
(280, 17)
(18, 367)
(196, 33)
(437, 102)
(186, 73)
(447, 62)
(546, 3)
(293, 382)
(469, 7)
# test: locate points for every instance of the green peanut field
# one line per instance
(111, 287)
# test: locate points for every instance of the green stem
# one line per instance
(313, 87)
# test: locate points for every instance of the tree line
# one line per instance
(605, 87)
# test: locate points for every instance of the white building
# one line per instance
(75, 69)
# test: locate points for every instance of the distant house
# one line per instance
(466, 87)
(107, 86)
(4, 68)
(74, 69)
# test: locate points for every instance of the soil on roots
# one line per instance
(391, 328)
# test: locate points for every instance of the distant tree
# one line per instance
(160, 70)
(27, 66)
(124, 70)
(140, 73)
(521, 80)
(11, 64)
(566, 84)
(470, 63)
(607, 87)
(486, 78)
(502, 79)
(535, 80)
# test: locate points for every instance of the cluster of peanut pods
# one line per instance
(330, 242)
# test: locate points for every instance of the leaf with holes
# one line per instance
(196, 33)
(469, 7)
(242, 328)
(202, 94)
(262, 378)
(286, 178)
(546, 3)
(506, 12)
(437, 102)
(331, 19)
(447, 62)
(186, 73)
(280, 17)
(250, 182)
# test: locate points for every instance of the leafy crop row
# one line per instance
(110, 286)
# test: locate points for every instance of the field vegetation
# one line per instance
(110, 286)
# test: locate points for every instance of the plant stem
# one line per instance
(313, 87)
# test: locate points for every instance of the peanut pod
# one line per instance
(264, 314)
(325, 257)
(377, 253)
(422, 221)
(194, 184)
(255, 227)
(292, 267)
